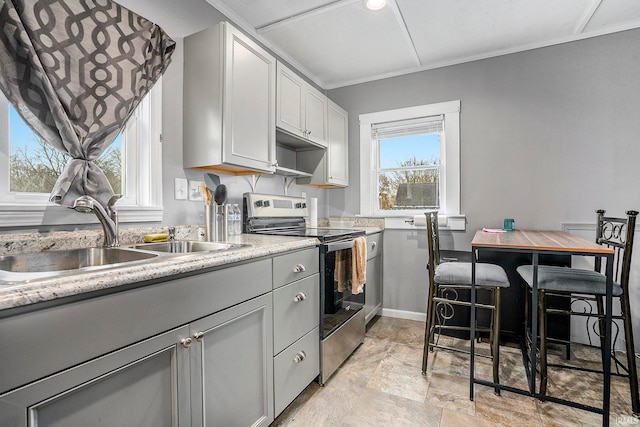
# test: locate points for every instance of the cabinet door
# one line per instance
(290, 101)
(232, 366)
(316, 116)
(248, 128)
(146, 384)
(337, 150)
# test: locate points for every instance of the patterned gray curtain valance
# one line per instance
(75, 70)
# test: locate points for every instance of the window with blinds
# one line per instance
(408, 163)
(397, 129)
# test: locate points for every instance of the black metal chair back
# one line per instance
(433, 242)
(618, 234)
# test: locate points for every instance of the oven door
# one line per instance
(339, 302)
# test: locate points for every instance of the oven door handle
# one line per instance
(338, 246)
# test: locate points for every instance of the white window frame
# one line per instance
(450, 216)
(143, 174)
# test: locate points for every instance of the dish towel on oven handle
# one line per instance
(351, 267)
(359, 265)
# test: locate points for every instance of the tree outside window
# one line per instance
(35, 166)
(409, 173)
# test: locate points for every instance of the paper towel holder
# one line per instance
(442, 220)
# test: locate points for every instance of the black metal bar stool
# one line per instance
(588, 286)
(445, 280)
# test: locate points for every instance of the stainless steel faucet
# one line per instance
(108, 218)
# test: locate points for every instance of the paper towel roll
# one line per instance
(420, 220)
(313, 212)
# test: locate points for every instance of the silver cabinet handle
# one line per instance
(186, 342)
(198, 336)
(299, 268)
(373, 245)
(300, 296)
(299, 357)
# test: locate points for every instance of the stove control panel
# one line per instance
(274, 206)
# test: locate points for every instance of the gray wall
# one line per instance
(547, 137)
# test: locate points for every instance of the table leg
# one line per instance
(534, 326)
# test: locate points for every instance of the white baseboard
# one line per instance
(402, 314)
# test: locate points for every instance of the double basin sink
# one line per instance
(28, 266)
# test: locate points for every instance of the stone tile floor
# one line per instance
(381, 384)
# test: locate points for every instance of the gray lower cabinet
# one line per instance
(192, 351)
(145, 384)
(373, 293)
(231, 366)
(296, 319)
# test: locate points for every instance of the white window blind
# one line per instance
(419, 126)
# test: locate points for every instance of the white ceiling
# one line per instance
(338, 43)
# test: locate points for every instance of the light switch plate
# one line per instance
(180, 189)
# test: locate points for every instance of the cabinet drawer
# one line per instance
(293, 372)
(374, 245)
(294, 266)
(296, 310)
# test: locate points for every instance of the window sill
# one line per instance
(445, 222)
(36, 215)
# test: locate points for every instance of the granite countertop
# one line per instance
(162, 266)
(50, 288)
(367, 224)
(370, 230)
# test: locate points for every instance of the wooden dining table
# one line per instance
(536, 243)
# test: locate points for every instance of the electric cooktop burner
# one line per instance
(323, 234)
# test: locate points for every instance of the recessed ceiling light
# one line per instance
(375, 4)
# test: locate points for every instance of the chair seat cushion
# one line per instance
(459, 273)
(565, 279)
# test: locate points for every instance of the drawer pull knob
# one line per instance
(186, 342)
(299, 268)
(198, 336)
(373, 245)
(300, 296)
(300, 356)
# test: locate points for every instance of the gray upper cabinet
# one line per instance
(337, 168)
(301, 111)
(329, 168)
(229, 103)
